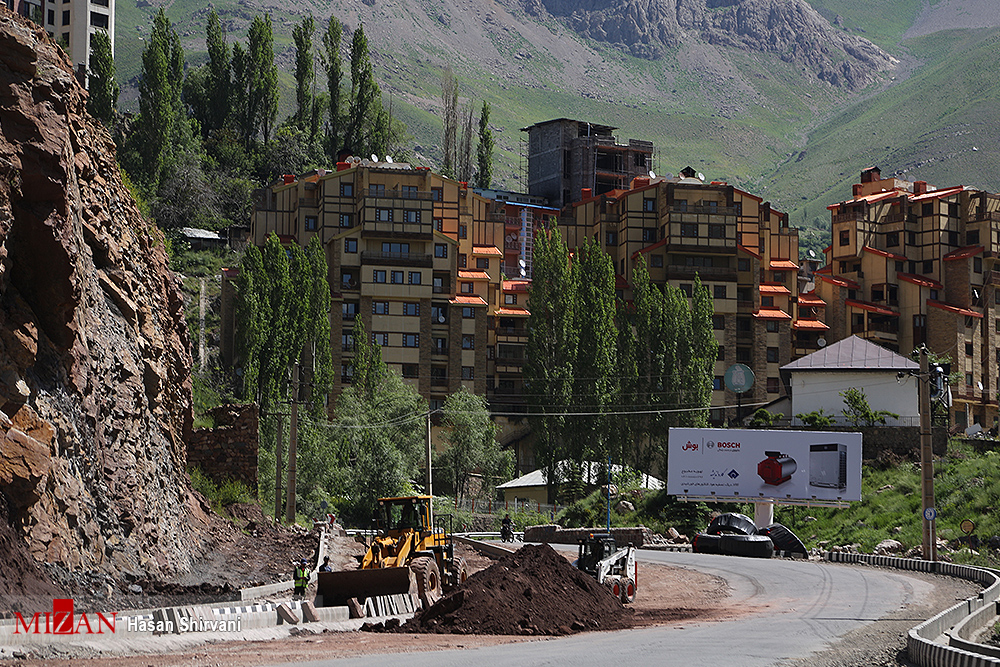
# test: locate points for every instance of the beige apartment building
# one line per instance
(911, 264)
(742, 249)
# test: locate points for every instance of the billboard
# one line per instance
(756, 464)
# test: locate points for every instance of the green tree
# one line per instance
(472, 446)
(219, 75)
(255, 79)
(102, 85)
(816, 419)
(449, 141)
(859, 413)
(551, 350)
(484, 152)
(330, 57)
(704, 352)
(304, 76)
(365, 113)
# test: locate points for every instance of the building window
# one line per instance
(649, 204)
(65, 17)
(977, 264)
(716, 231)
(411, 370)
(686, 289)
(439, 314)
(381, 339)
(378, 275)
(348, 310)
(346, 189)
(437, 194)
(657, 261)
(968, 348)
(743, 264)
(911, 238)
(415, 278)
(611, 238)
(720, 354)
(467, 372)
(899, 267)
(767, 301)
(968, 379)
(51, 15)
(438, 284)
(440, 346)
(779, 276)
(346, 373)
(719, 322)
(972, 237)
(347, 342)
(348, 280)
(383, 215)
(312, 223)
(345, 220)
(718, 383)
(743, 355)
(878, 293)
(463, 231)
(468, 312)
(933, 294)
(468, 342)
(483, 263)
(411, 309)
(771, 326)
(396, 277)
(380, 307)
(351, 245)
(845, 237)
(441, 250)
(892, 239)
(681, 205)
(510, 299)
(928, 266)
(411, 340)
(461, 260)
(772, 355)
(743, 325)
(719, 292)
(773, 386)
(99, 20)
(689, 229)
(743, 294)
(952, 238)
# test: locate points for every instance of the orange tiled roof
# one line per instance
(884, 253)
(871, 307)
(771, 288)
(809, 325)
(772, 314)
(468, 300)
(747, 250)
(963, 253)
(836, 280)
(810, 299)
(872, 198)
(486, 251)
(516, 285)
(654, 246)
(936, 194)
(783, 265)
(507, 311)
(473, 275)
(953, 309)
(920, 280)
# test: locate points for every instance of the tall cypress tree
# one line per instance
(219, 74)
(365, 95)
(160, 112)
(330, 57)
(304, 73)
(103, 87)
(484, 152)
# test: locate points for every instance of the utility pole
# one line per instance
(292, 444)
(929, 546)
(277, 469)
(430, 489)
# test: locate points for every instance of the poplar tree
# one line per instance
(449, 102)
(484, 151)
(366, 102)
(465, 147)
(304, 75)
(158, 127)
(102, 85)
(256, 83)
(219, 74)
(330, 57)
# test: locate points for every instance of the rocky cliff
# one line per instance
(95, 393)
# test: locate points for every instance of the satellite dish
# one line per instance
(523, 274)
(668, 175)
(701, 176)
(374, 157)
(388, 158)
(812, 254)
(821, 342)
(652, 174)
(521, 263)
(441, 319)
(980, 385)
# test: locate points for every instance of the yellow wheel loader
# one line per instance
(408, 554)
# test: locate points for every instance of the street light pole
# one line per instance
(926, 459)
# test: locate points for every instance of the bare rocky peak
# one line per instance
(790, 29)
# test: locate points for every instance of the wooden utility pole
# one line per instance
(292, 445)
(430, 488)
(929, 545)
(277, 469)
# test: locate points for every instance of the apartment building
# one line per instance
(742, 249)
(913, 264)
(565, 156)
(71, 23)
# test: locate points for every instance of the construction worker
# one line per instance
(301, 577)
(325, 567)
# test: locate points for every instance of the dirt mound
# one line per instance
(534, 591)
(251, 519)
(25, 587)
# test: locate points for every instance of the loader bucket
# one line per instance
(339, 587)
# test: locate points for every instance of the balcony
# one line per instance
(852, 216)
(517, 332)
(716, 273)
(704, 210)
(439, 381)
(400, 194)
(397, 258)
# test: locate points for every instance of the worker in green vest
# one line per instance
(301, 577)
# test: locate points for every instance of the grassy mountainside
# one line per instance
(764, 119)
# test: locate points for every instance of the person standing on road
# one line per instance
(325, 567)
(301, 577)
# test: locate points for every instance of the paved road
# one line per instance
(802, 608)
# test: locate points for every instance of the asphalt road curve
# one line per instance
(801, 607)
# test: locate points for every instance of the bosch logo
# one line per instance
(728, 445)
(693, 446)
(710, 444)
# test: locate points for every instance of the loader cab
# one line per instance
(403, 514)
(593, 550)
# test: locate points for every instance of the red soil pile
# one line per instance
(24, 586)
(534, 591)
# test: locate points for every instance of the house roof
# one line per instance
(195, 233)
(772, 314)
(810, 299)
(871, 307)
(462, 300)
(883, 253)
(809, 325)
(963, 253)
(507, 311)
(852, 354)
(953, 309)
(783, 265)
(836, 280)
(486, 250)
(920, 280)
(516, 285)
(654, 246)
(771, 288)
(591, 470)
(473, 275)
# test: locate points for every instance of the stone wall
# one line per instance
(555, 534)
(228, 451)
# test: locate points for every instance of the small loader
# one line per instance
(408, 554)
(612, 567)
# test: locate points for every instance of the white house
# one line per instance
(532, 485)
(816, 380)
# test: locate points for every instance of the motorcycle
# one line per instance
(506, 534)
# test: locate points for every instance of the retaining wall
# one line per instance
(228, 451)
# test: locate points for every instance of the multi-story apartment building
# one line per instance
(910, 264)
(71, 23)
(565, 156)
(742, 249)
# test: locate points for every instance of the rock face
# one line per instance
(95, 393)
(790, 28)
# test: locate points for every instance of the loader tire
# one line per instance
(784, 539)
(628, 590)
(750, 546)
(705, 544)
(461, 571)
(732, 522)
(428, 580)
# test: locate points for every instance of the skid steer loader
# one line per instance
(613, 567)
(407, 555)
